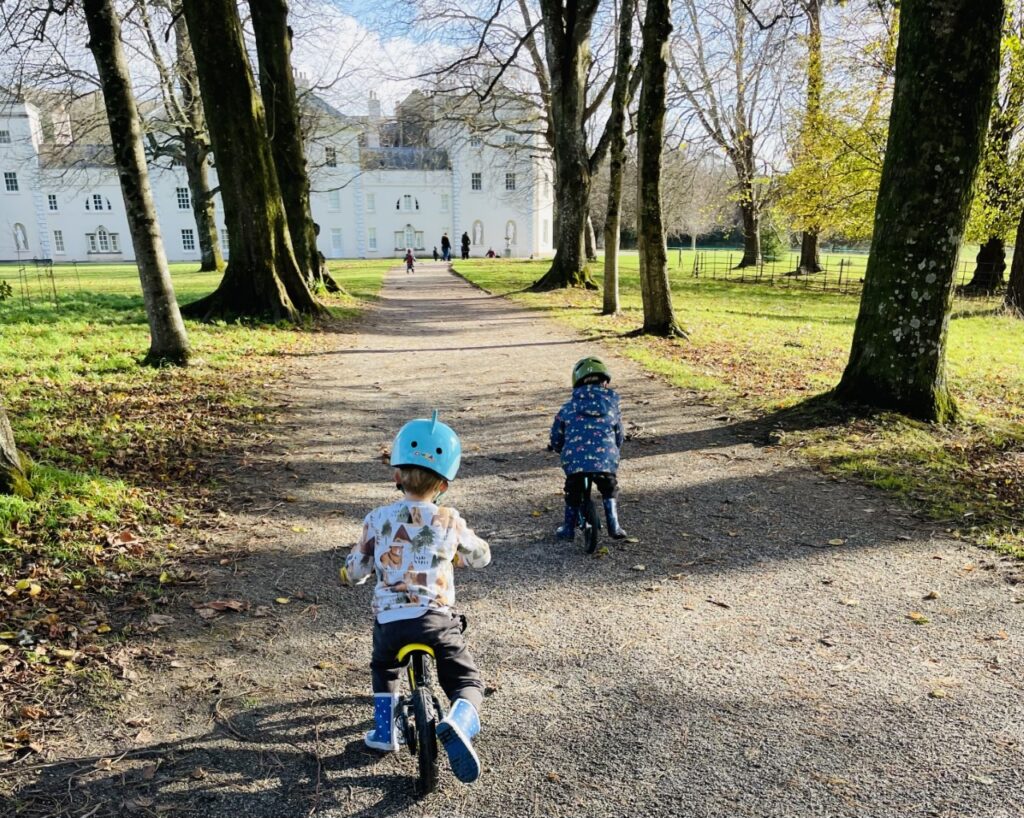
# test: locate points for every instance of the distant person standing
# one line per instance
(446, 247)
(436, 256)
(465, 245)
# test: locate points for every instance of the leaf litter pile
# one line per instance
(125, 465)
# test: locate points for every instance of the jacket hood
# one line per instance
(594, 399)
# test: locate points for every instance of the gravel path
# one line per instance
(732, 662)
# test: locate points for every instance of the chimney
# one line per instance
(373, 106)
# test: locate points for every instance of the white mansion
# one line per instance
(378, 186)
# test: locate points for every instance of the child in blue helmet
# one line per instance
(412, 546)
(587, 432)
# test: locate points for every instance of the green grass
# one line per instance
(117, 446)
(770, 348)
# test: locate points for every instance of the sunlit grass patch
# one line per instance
(768, 348)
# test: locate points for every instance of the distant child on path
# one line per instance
(587, 432)
(410, 261)
(411, 547)
(436, 256)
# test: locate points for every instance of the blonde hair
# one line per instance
(420, 482)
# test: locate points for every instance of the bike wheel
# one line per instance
(591, 526)
(426, 738)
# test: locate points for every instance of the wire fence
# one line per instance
(35, 280)
(839, 274)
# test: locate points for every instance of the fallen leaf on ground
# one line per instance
(998, 636)
(104, 628)
(837, 541)
(850, 602)
(639, 567)
(931, 595)
(282, 600)
(149, 772)
(918, 618)
(634, 539)
(555, 778)
(158, 620)
(33, 712)
(982, 779)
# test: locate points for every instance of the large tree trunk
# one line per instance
(989, 266)
(1015, 288)
(809, 258)
(168, 341)
(567, 50)
(617, 157)
(939, 114)
(659, 318)
(262, 279)
(14, 466)
(277, 87)
(196, 143)
(751, 226)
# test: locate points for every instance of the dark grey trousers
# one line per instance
(456, 670)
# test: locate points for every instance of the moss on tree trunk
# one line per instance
(14, 466)
(277, 87)
(659, 317)
(937, 128)
(262, 278)
(168, 341)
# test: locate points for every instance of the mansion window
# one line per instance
(58, 241)
(510, 181)
(445, 202)
(51, 199)
(334, 199)
(5, 137)
(188, 239)
(97, 202)
(407, 201)
(224, 240)
(10, 181)
(475, 141)
(184, 199)
(336, 244)
(476, 181)
(409, 237)
(103, 242)
(371, 238)
(510, 139)
(371, 202)
(331, 157)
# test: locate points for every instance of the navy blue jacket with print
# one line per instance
(588, 430)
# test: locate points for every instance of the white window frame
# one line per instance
(371, 238)
(337, 241)
(510, 139)
(188, 236)
(58, 242)
(97, 201)
(103, 239)
(331, 156)
(51, 202)
(475, 142)
(407, 201)
(510, 181)
(371, 202)
(5, 137)
(418, 243)
(11, 182)
(184, 198)
(224, 239)
(445, 202)
(115, 243)
(334, 200)
(476, 181)
(91, 239)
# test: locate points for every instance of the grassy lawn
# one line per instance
(767, 349)
(122, 453)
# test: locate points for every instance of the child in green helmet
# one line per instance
(411, 547)
(587, 432)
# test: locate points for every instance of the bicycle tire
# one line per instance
(591, 526)
(426, 739)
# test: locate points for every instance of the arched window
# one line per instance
(20, 238)
(410, 236)
(478, 232)
(103, 239)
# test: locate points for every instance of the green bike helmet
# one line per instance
(589, 366)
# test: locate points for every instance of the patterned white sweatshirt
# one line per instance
(412, 547)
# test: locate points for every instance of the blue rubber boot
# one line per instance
(384, 735)
(567, 530)
(456, 733)
(611, 513)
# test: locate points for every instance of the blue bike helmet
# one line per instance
(428, 444)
